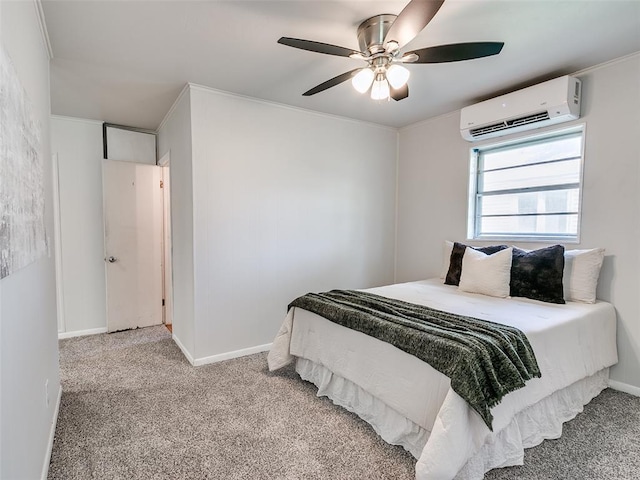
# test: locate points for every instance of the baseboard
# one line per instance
(185, 352)
(229, 355)
(52, 434)
(81, 333)
(625, 387)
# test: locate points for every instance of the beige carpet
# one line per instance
(133, 408)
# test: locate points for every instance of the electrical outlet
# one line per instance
(46, 392)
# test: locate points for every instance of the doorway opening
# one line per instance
(137, 229)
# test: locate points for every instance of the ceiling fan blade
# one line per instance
(331, 83)
(318, 47)
(457, 52)
(412, 19)
(400, 93)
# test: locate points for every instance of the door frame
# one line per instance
(167, 260)
(57, 240)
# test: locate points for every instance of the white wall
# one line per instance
(78, 144)
(28, 341)
(174, 136)
(433, 188)
(285, 201)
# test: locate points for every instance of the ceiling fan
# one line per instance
(381, 39)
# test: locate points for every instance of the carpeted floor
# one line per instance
(134, 408)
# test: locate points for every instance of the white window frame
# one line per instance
(522, 140)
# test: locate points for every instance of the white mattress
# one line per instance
(571, 342)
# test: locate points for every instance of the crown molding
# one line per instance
(169, 113)
(224, 93)
(43, 27)
(76, 119)
(606, 64)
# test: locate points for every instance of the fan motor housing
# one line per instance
(372, 31)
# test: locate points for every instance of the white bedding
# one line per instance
(571, 342)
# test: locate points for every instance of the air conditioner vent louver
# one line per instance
(496, 127)
(536, 117)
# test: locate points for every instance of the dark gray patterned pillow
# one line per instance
(538, 274)
(455, 261)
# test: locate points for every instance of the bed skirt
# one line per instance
(527, 429)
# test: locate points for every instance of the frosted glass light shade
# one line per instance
(362, 80)
(397, 76)
(380, 89)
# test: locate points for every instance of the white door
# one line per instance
(133, 244)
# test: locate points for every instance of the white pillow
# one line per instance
(486, 274)
(581, 272)
(447, 247)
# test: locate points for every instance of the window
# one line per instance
(529, 189)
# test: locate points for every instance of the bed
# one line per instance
(409, 403)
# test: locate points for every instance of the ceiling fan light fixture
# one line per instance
(380, 89)
(363, 80)
(381, 39)
(397, 76)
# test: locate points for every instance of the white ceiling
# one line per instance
(125, 62)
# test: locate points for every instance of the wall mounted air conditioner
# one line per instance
(547, 103)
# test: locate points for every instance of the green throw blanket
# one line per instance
(484, 360)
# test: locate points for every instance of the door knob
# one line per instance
(112, 259)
